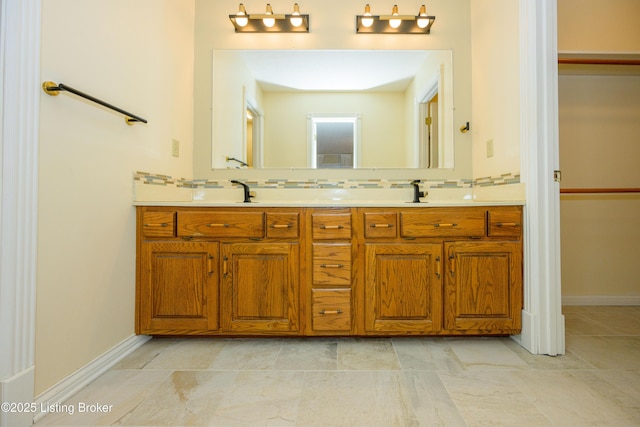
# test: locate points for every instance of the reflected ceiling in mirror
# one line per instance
(283, 89)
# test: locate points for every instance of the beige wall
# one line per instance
(382, 116)
(332, 27)
(598, 25)
(598, 125)
(136, 55)
(496, 87)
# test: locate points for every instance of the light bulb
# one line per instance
(366, 21)
(296, 20)
(422, 22)
(394, 23)
(241, 16)
(269, 22)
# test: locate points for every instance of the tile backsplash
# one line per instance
(166, 180)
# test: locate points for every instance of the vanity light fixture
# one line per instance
(270, 22)
(394, 23)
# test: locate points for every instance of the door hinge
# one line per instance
(557, 176)
(427, 121)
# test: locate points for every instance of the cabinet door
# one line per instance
(483, 287)
(178, 290)
(403, 291)
(260, 287)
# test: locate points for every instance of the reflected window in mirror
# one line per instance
(333, 140)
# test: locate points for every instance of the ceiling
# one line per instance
(334, 70)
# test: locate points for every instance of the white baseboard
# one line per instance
(528, 336)
(17, 389)
(600, 300)
(66, 388)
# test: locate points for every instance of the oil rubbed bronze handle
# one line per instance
(164, 224)
(331, 227)
(381, 225)
(281, 226)
(330, 311)
(332, 265)
(445, 225)
(507, 224)
(210, 264)
(218, 225)
(438, 267)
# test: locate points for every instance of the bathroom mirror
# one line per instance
(274, 109)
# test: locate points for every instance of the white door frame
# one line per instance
(542, 322)
(19, 124)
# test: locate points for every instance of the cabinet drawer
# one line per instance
(331, 225)
(380, 224)
(221, 224)
(286, 224)
(331, 264)
(505, 222)
(331, 309)
(443, 222)
(159, 224)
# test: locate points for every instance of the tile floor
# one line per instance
(376, 382)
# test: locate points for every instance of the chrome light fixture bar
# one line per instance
(270, 22)
(394, 23)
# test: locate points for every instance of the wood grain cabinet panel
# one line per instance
(443, 222)
(260, 287)
(331, 225)
(331, 310)
(380, 224)
(178, 289)
(221, 224)
(332, 264)
(483, 287)
(403, 288)
(159, 224)
(283, 225)
(505, 221)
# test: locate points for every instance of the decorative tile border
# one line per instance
(166, 180)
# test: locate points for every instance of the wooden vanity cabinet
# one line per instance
(208, 271)
(332, 271)
(442, 270)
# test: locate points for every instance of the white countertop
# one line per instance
(149, 195)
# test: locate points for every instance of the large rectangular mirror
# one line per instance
(332, 109)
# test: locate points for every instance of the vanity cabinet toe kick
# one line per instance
(334, 271)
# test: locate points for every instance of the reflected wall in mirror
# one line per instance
(263, 101)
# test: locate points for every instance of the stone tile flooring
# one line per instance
(376, 381)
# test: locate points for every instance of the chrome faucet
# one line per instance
(247, 193)
(417, 194)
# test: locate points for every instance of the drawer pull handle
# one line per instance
(164, 224)
(281, 226)
(381, 225)
(331, 227)
(507, 224)
(331, 311)
(332, 265)
(438, 267)
(445, 225)
(218, 225)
